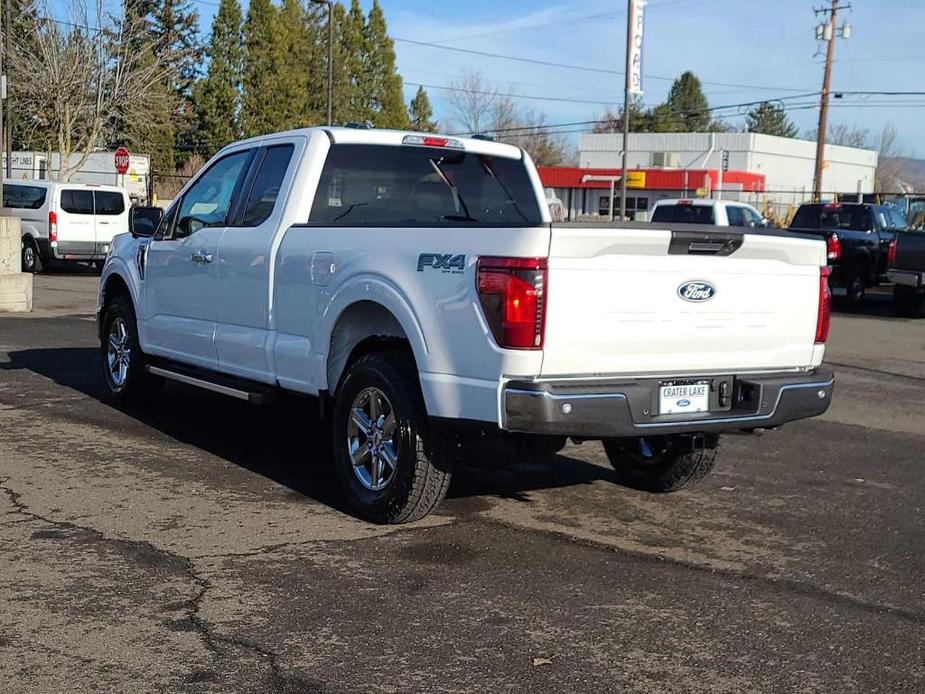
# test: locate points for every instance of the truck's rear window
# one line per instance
(853, 217)
(683, 214)
(384, 185)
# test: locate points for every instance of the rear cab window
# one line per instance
(404, 185)
(684, 214)
(833, 216)
(20, 197)
(266, 186)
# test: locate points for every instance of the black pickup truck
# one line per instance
(861, 241)
(907, 273)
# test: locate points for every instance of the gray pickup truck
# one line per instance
(907, 273)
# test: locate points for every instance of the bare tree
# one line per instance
(478, 107)
(75, 82)
(890, 168)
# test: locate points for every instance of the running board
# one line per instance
(233, 391)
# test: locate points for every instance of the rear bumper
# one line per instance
(80, 250)
(907, 278)
(629, 408)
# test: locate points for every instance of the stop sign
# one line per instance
(122, 160)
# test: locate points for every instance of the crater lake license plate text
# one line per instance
(681, 398)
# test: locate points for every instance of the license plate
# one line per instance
(683, 398)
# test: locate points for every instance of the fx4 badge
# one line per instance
(447, 262)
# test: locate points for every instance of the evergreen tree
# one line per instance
(386, 101)
(294, 53)
(217, 96)
(770, 119)
(261, 62)
(421, 113)
(687, 106)
(352, 84)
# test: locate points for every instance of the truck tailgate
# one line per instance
(615, 302)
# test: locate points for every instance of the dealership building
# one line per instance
(763, 170)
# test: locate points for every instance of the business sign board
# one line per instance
(634, 58)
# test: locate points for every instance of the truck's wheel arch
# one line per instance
(363, 327)
(114, 285)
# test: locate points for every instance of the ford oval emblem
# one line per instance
(696, 290)
(683, 403)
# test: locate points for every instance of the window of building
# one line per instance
(633, 205)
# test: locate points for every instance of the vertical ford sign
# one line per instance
(637, 10)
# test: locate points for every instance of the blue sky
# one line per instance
(767, 45)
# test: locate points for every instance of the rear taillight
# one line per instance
(891, 253)
(52, 226)
(833, 247)
(512, 292)
(824, 315)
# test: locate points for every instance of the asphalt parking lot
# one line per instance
(200, 545)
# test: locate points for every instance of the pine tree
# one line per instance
(352, 84)
(687, 105)
(294, 53)
(217, 96)
(386, 101)
(421, 113)
(770, 119)
(259, 81)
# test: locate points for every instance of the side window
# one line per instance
(109, 203)
(23, 197)
(267, 182)
(752, 218)
(207, 202)
(77, 201)
(736, 216)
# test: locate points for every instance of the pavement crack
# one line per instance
(215, 643)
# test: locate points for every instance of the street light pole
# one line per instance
(330, 4)
(626, 109)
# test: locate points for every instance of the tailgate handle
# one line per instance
(714, 243)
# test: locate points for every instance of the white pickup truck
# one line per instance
(416, 285)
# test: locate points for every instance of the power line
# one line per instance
(584, 68)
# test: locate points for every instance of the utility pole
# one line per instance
(8, 125)
(330, 5)
(626, 109)
(828, 32)
(3, 28)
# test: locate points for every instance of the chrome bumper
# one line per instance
(907, 278)
(630, 408)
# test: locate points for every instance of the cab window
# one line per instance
(263, 194)
(736, 216)
(209, 199)
(108, 202)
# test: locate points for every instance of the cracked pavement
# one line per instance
(199, 545)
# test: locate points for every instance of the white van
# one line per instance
(66, 221)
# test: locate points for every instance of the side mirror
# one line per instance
(143, 221)
(764, 223)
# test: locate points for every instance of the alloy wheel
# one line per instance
(118, 352)
(371, 439)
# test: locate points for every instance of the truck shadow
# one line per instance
(286, 441)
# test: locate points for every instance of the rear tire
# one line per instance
(393, 467)
(908, 302)
(31, 260)
(661, 463)
(855, 289)
(122, 359)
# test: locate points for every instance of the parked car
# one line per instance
(721, 213)
(66, 221)
(907, 273)
(860, 238)
(416, 285)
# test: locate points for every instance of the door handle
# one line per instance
(202, 258)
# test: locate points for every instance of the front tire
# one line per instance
(392, 466)
(662, 463)
(122, 359)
